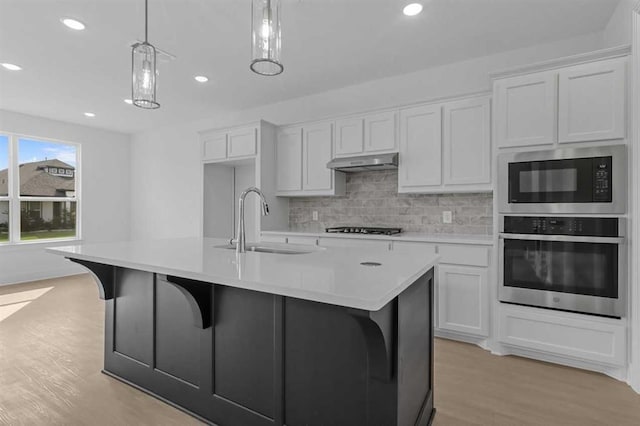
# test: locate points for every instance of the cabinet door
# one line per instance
(420, 162)
(592, 99)
(380, 132)
(526, 110)
(243, 142)
(289, 160)
(214, 147)
(316, 153)
(467, 142)
(349, 136)
(463, 305)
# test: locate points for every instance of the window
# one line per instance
(38, 189)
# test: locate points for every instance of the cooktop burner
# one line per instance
(364, 230)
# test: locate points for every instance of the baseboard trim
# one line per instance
(39, 276)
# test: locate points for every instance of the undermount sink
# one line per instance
(261, 248)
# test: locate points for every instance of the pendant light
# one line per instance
(266, 37)
(144, 73)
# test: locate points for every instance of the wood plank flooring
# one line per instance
(51, 346)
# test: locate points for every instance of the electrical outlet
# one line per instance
(315, 216)
(447, 217)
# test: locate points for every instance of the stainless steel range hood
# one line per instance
(365, 163)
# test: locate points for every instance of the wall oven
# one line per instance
(580, 180)
(566, 263)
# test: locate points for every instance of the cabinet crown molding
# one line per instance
(255, 123)
(596, 55)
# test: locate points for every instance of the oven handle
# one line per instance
(566, 238)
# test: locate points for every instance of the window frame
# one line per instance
(15, 199)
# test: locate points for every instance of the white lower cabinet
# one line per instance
(462, 292)
(574, 336)
(463, 302)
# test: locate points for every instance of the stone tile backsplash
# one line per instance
(372, 199)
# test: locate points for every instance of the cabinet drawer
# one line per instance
(559, 333)
(312, 241)
(352, 242)
(242, 142)
(457, 254)
(215, 147)
(410, 247)
(273, 239)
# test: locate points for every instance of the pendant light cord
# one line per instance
(146, 21)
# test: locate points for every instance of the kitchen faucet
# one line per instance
(240, 242)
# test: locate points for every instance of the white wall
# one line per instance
(105, 202)
(165, 179)
(618, 30)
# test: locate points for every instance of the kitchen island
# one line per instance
(315, 337)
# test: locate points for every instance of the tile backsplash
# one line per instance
(372, 199)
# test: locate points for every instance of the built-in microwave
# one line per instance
(579, 180)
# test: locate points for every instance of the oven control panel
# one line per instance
(546, 225)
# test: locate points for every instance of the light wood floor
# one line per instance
(51, 355)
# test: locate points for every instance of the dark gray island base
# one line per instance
(236, 357)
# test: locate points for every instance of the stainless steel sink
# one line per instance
(266, 249)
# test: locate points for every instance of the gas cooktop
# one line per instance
(364, 230)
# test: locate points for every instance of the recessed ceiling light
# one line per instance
(89, 114)
(128, 101)
(73, 24)
(11, 67)
(412, 9)
(201, 78)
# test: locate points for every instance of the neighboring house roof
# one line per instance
(35, 181)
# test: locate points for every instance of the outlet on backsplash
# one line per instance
(314, 216)
(447, 216)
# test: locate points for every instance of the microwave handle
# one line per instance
(562, 238)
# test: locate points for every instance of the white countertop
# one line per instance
(486, 240)
(327, 275)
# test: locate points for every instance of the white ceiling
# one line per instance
(326, 44)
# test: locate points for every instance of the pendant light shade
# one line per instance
(266, 37)
(144, 74)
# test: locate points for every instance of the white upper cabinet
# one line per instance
(317, 150)
(578, 103)
(349, 136)
(289, 159)
(369, 134)
(526, 110)
(467, 142)
(380, 132)
(446, 147)
(243, 142)
(220, 145)
(420, 162)
(302, 154)
(214, 146)
(592, 99)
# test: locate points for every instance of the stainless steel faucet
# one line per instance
(240, 242)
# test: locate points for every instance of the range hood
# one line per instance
(365, 163)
